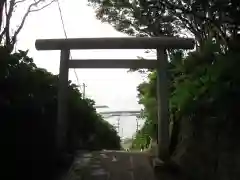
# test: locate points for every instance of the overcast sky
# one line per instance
(115, 88)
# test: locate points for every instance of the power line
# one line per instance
(65, 34)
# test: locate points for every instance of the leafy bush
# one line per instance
(28, 103)
(203, 109)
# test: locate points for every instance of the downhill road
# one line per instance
(112, 165)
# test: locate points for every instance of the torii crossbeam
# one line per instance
(159, 43)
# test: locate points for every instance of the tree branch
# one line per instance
(34, 10)
(2, 2)
(7, 26)
(187, 11)
(20, 1)
(29, 10)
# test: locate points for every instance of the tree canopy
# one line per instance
(9, 33)
(199, 18)
(28, 102)
(202, 83)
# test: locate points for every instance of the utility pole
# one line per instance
(118, 125)
(138, 125)
(84, 90)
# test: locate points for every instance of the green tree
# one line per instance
(28, 103)
(9, 33)
(200, 18)
(204, 85)
(206, 21)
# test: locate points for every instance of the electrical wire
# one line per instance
(65, 34)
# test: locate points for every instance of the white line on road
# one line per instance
(132, 175)
(104, 155)
(108, 175)
(114, 159)
(98, 172)
(131, 166)
(131, 162)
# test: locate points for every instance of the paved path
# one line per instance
(112, 165)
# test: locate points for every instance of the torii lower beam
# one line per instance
(113, 63)
(159, 43)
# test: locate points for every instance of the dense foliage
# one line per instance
(212, 23)
(204, 84)
(199, 18)
(28, 103)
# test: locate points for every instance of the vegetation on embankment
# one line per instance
(28, 106)
(28, 102)
(204, 84)
(204, 111)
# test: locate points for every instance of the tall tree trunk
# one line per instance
(174, 137)
(2, 2)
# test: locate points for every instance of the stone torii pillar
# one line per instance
(161, 44)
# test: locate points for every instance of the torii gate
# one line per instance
(158, 43)
(120, 114)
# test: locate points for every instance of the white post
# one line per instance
(84, 91)
(61, 128)
(162, 100)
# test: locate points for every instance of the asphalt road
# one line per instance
(112, 165)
